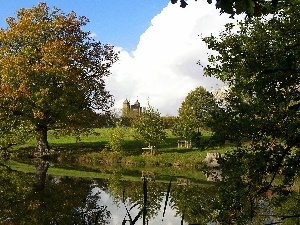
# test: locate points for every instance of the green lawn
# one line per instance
(164, 174)
(91, 150)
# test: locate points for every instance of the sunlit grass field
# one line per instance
(91, 150)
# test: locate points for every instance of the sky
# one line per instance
(119, 213)
(159, 44)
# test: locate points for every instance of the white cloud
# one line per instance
(163, 67)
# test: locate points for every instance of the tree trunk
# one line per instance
(42, 145)
(40, 174)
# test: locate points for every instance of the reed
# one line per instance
(143, 211)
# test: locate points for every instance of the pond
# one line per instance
(139, 197)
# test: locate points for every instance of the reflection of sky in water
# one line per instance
(118, 212)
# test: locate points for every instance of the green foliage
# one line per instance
(259, 61)
(168, 121)
(13, 133)
(250, 7)
(117, 138)
(52, 72)
(149, 127)
(260, 65)
(194, 115)
(254, 176)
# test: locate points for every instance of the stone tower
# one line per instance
(131, 110)
(126, 108)
(136, 108)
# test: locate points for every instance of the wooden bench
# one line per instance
(184, 144)
(148, 149)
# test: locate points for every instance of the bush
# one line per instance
(117, 138)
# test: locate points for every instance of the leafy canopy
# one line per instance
(260, 65)
(194, 114)
(51, 71)
(249, 7)
(259, 62)
(149, 126)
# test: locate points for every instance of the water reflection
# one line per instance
(45, 199)
(41, 199)
(40, 174)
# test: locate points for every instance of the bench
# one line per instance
(184, 144)
(148, 149)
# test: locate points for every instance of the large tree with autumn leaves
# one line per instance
(51, 75)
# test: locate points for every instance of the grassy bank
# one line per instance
(91, 151)
(160, 174)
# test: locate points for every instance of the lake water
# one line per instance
(41, 198)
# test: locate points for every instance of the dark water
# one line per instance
(40, 198)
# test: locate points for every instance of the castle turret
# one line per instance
(137, 103)
(136, 108)
(131, 110)
(126, 107)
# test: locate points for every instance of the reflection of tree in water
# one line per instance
(40, 174)
(132, 193)
(13, 192)
(193, 202)
(44, 199)
(92, 213)
(41, 199)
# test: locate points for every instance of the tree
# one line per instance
(51, 73)
(249, 7)
(168, 121)
(194, 114)
(149, 126)
(117, 137)
(260, 64)
(13, 131)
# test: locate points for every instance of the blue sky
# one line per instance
(118, 22)
(159, 44)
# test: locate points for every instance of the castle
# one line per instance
(131, 110)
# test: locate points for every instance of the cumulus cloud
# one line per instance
(163, 68)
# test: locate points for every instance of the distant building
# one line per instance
(131, 110)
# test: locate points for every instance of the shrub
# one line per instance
(117, 138)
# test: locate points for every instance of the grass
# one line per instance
(62, 172)
(91, 158)
(195, 177)
(99, 138)
(91, 151)
(53, 171)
